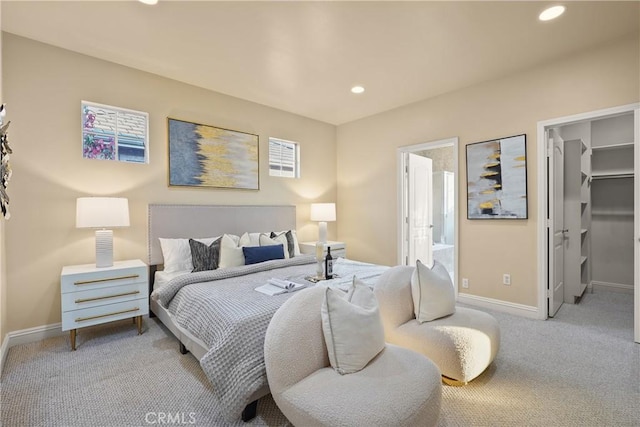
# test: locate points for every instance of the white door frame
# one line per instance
(401, 151)
(543, 201)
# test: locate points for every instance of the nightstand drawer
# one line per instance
(338, 249)
(338, 253)
(102, 296)
(106, 313)
(81, 281)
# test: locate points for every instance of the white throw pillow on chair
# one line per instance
(352, 327)
(432, 292)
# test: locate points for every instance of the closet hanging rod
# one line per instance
(612, 176)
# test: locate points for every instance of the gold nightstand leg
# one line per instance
(72, 335)
(139, 323)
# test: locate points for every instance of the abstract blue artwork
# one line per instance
(207, 156)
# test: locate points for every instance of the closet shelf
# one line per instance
(612, 146)
(583, 286)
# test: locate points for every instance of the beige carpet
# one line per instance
(579, 369)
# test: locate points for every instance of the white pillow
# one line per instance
(250, 239)
(352, 327)
(265, 240)
(231, 254)
(177, 253)
(432, 292)
(296, 245)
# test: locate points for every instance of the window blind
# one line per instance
(283, 158)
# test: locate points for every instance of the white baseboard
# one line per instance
(612, 287)
(4, 350)
(499, 305)
(26, 336)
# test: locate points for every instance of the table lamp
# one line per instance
(323, 212)
(102, 213)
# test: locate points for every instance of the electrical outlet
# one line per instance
(506, 279)
(465, 283)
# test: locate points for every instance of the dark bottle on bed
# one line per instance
(328, 265)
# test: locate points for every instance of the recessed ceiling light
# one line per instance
(551, 13)
(151, 2)
(357, 89)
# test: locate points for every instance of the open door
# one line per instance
(420, 209)
(550, 230)
(556, 230)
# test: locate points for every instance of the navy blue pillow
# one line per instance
(256, 254)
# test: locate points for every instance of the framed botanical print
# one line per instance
(114, 133)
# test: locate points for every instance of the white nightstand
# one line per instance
(338, 249)
(91, 295)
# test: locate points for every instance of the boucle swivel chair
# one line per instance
(398, 387)
(462, 344)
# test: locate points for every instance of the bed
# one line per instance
(216, 314)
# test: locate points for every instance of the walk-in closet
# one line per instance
(598, 206)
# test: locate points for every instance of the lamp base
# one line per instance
(104, 248)
(322, 232)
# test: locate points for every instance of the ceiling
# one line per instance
(303, 57)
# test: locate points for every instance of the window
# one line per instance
(284, 158)
(112, 133)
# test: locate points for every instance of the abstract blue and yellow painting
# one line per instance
(207, 156)
(497, 179)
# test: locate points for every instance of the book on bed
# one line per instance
(279, 286)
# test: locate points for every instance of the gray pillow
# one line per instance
(205, 257)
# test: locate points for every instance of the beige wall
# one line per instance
(367, 193)
(44, 86)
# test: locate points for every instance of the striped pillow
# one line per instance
(205, 257)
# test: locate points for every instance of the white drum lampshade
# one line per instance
(102, 213)
(323, 212)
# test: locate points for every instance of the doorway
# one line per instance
(576, 233)
(427, 204)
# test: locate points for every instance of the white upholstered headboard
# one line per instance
(197, 221)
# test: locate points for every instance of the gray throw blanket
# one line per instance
(222, 308)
